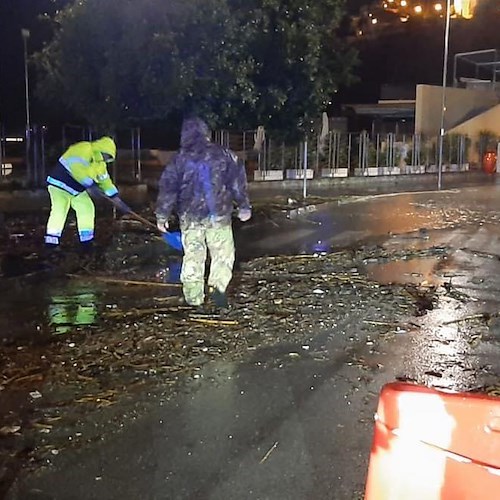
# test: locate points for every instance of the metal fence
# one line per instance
(357, 153)
(25, 162)
(335, 154)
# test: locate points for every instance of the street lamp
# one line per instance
(26, 34)
(443, 91)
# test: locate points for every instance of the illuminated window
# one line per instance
(465, 8)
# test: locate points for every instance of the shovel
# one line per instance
(171, 238)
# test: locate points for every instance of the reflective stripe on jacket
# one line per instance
(83, 165)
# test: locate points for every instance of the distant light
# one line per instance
(385, 5)
(404, 3)
(6, 168)
(418, 9)
(374, 20)
(438, 7)
(14, 139)
(404, 19)
(360, 32)
(390, 1)
(370, 15)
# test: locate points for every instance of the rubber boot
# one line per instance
(219, 298)
(87, 247)
(52, 253)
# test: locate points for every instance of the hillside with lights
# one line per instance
(400, 42)
(388, 14)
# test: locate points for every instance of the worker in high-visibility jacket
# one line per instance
(80, 170)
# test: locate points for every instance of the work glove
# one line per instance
(162, 223)
(244, 214)
(120, 204)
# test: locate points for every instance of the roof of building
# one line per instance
(404, 108)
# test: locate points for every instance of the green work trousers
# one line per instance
(196, 238)
(61, 201)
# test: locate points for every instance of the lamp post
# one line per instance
(443, 92)
(26, 34)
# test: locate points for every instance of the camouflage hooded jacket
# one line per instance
(203, 179)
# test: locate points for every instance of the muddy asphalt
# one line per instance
(274, 400)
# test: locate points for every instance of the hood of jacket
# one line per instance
(195, 134)
(105, 145)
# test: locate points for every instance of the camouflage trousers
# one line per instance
(196, 238)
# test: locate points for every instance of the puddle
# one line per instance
(68, 310)
(38, 311)
(414, 271)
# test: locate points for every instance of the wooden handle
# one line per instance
(143, 220)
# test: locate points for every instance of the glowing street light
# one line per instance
(418, 9)
(438, 7)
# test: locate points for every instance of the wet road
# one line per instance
(278, 426)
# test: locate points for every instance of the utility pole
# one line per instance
(26, 34)
(443, 92)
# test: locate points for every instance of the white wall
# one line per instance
(460, 103)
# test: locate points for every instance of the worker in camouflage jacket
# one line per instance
(201, 184)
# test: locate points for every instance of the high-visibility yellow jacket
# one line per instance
(84, 164)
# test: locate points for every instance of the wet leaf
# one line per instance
(9, 429)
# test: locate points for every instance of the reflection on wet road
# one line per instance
(56, 306)
(302, 412)
(375, 217)
(66, 311)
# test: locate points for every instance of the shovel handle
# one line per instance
(138, 217)
(143, 220)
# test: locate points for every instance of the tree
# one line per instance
(300, 61)
(239, 63)
(124, 62)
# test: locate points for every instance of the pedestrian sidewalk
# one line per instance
(26, 200)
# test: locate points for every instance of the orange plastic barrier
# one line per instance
(490, 162)
(434, 445)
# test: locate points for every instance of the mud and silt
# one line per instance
(81, 352)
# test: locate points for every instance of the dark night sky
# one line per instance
(412, 56)
(14, 15)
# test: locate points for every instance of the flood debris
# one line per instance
(268, 454)
(159, 341)
(123, 282)
(6, 430)
(484, 316)
(137, 345)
